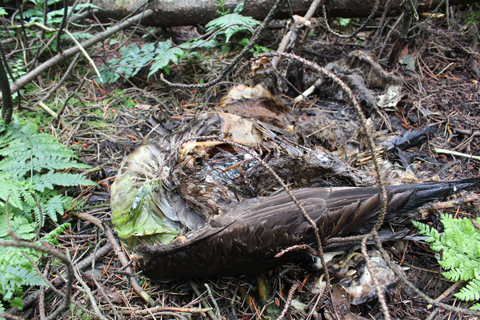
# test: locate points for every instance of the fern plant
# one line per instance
(233, 22)
(15, 269)
(459, 245)
(160, 56)
(134, 58)
(31, 165)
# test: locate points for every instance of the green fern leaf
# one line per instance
(165, 54)
(31, 277)
(30, 167)
(460, 256)
(11, 189)
(475, 307)
(236, 22)
(51, 236)
(52, 207)
(19, 225)
(470, 292)
(49, 180)
(55, 163)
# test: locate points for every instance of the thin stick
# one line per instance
(456, 153)
(143, 312)
(289, 300)
(123, 259)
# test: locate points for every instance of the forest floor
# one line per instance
(107, 122)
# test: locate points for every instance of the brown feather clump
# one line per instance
(256, 102)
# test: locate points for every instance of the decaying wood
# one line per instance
(193, 12)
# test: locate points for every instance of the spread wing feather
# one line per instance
(247, 235)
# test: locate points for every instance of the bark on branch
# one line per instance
(192, 12)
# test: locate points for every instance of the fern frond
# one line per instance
(19, 225)
(31, 277)
(165, 54)
(51, 179)
(231, 19)
(55, 163)
(14, 189)
(426, 230)
(51, 208)
(51, 236)
(475, 307)
(460, 256)
(470, 292)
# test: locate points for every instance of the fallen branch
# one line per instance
(21, 82)
(147, 311)
(194, 12)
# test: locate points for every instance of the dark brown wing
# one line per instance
(246, 237)
(249, 243)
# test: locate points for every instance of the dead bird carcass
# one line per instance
(193, 207)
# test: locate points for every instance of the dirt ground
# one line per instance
(441, 91)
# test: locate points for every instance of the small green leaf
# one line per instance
(344, 21)
(239, 7)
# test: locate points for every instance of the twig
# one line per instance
(354, 33)
(62, 26)
(297, 247)
(85, 54)
(166, 313)
(123, 259)
(289, 300)
(47, 109)
(102, 292)
(59, 113)
(143, 312)
(90, 296)
(90, 171)
(380, 25)
(204, 303)
(381, 296)
(28, 301)
(90, 218)
(286, 39)
(41, 294)
(456, 153)
(389, 33)
(217, 310)
(9, 316)
(62, 80)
